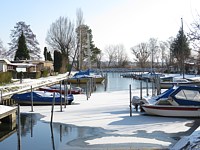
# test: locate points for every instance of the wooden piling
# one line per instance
(52, 108)
(140, 89)
(19, 127)
(130, 100)
(31, 99)
(65, 93)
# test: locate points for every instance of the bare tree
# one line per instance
(99, 58)
(116, 55)
(2, 49)
(165, 53)
(61, 37)
(79, 17)
(76, 47)
(141, 54)
(80, 28)
(122, 57)
(110, 54)
(194, 34)
(153, 47)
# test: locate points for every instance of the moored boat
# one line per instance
(82, 77)
(182, 102)
(41, 98)
(172, 111)
(56, 88)
(178, 82)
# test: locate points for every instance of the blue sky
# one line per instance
(126, 22)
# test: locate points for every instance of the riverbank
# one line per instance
(110, 111)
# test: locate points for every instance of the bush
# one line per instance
(44, 73)
(5, 77)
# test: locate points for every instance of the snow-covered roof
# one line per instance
(22, 64)
(6, 61)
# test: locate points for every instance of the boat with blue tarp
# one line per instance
(41, 98)
(82, 77)
(184, 101)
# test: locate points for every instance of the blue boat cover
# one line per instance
(166, 94)
(82, 73)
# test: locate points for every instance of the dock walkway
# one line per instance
(7, 113)
(17, 87)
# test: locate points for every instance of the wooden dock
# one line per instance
(7, 113)
(7, 91)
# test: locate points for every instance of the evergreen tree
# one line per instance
(180, 49)
(45, 53)
(22, 52)
(82, 32)
(49, 56)
(31, 41)
(57, 61)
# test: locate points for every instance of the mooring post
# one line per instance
(31, 125)
(147, 87)
(158, 86)
(65, 92)
(60, 96)
(52, 108)
(19, 127)
(130, 100)
(153, 82)
(60, 132)
(90, 86)
(140, 89)
(31, 98)
(86, 92)
(70, 88)
(52, 136)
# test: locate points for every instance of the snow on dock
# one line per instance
(7, 113)
(17, 87)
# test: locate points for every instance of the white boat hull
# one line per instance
(172, 111)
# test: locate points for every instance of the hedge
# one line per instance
(5, 77)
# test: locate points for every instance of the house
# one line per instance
(41, 65)
(25, 65)
(4, 65)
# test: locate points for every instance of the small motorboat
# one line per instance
(82, 77)
(171, 111)
(56, 88)
(182, 102)
(41, 98)
(177, 81)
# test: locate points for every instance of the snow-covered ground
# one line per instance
(110, 111)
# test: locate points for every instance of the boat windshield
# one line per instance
(188, 95)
